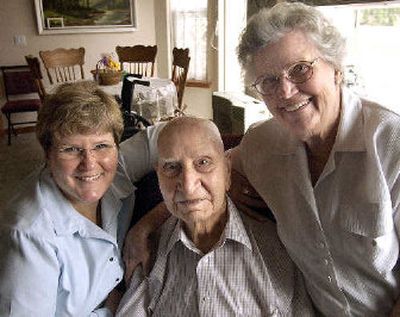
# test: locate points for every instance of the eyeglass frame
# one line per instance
(285, 75)
(80, 152)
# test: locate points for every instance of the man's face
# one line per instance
(193, 174)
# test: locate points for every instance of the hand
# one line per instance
(246, 198)
(396, 309)
(136, 250)
(113, 300)
(140, 242)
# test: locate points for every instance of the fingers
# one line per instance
(246, 197)
(132, 263)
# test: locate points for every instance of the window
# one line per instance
(373, 46)
(189, 30)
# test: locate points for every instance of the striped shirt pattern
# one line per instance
(247, 273)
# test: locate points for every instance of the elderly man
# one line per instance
(212, 260)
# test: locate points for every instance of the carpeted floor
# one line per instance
(16, 162)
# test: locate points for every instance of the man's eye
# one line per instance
(204, 164)
(171, 169)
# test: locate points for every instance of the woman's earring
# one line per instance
(338, 77)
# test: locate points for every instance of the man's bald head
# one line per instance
(184, 126)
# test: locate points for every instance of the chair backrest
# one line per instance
(63, 65)
(180, 68)
(18, 80)
(34, 66)
(138, 59)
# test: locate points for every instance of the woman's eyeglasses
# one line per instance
(99, 151)
(297, 73)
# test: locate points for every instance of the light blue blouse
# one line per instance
(54, 261)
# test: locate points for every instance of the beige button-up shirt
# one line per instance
(343, 232)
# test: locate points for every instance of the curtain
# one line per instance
(189, 30)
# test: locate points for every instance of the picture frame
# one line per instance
(85, 16)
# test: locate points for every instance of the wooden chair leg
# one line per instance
(8, 116)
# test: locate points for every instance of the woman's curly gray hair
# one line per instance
(269, 25)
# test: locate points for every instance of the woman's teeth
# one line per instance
(296, 106)
(89, 178)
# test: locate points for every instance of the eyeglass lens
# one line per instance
(99, 151)
(297, 73)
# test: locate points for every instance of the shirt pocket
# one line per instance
(371, 220)
(368, 236)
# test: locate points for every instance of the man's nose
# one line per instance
(286, 89)
(189, 180)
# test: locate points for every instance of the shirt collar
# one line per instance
(67, 220)
(350, 127)
(234, 230)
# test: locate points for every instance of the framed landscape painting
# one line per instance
(80, 16)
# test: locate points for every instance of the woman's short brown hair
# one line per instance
(78, 108)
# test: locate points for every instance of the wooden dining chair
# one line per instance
(34, 66)
(180, 68)
(138, 59)
(21, 92)
(64, 65)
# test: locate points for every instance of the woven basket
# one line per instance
(107, 77)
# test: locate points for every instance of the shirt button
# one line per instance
(329, 279)
(321, 245)
(205, 298)
(111, 259)
(326, 261)
(117, 279)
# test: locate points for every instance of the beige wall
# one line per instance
(17, 17)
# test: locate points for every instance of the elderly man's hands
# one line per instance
(139, 246)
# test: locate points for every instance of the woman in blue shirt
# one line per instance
(60, 238)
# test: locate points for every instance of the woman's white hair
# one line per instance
(269, 25)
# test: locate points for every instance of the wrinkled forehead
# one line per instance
(193, 141)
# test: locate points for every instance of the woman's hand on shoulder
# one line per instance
(246, 198)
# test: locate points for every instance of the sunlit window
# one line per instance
(373, 45)
(189, 30)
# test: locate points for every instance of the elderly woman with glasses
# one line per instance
(327, 164)
(61, 237)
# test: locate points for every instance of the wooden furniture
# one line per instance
(138, 59)
(63, 65)
(235, 112)
(34, 66)
(180, 67)
(21, 93)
